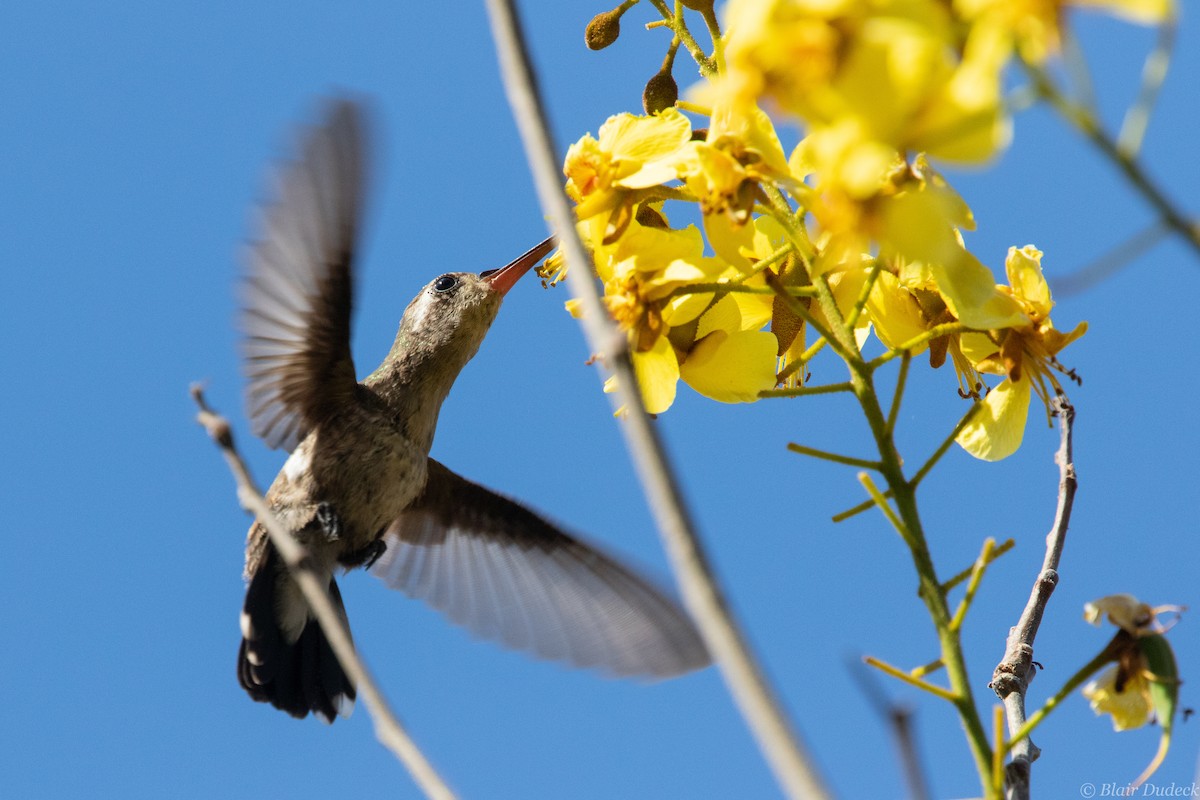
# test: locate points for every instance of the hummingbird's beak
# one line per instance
(501, 280)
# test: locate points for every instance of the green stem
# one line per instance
(741, 288)
(945, 329)
(801, 391)
(707, 68)
(854, 511)
(1089, 669)
(945, 445)
(901, 380)
(977, 570)
(837, 458)
(998, 551)
(931, 592)
(895, 672)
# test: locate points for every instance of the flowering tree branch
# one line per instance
(388, 728)
(781, 744)
(1016, 670)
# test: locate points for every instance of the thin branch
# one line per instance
(801, 391)
(707, 68)
(929, 464)
(1154, 73)
(900, 674)
(977, 570)
(885, 508)
(898, 395)
(1015, 671)
(780, 743)
(837, 458)
(718, 286)
(388, 728)
(854, 511)
(899, 721)
(996, 552)
(944, 329)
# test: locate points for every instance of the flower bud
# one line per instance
(660, 93)
(604, 29)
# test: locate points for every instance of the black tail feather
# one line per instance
(298, 677)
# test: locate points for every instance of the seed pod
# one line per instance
(660, 93)
(604, 29)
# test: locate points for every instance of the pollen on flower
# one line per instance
(552, 270)
(641, 318)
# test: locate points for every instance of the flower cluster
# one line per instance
(855, 211)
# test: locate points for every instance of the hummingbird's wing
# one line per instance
(300, 283)
(508, 575)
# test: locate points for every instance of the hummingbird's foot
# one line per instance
(330, 523)
(364, 557)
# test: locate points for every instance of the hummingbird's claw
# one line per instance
(366, 557)
(330, 523)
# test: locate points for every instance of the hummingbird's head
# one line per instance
(453, 312)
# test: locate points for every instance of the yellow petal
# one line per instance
(657, 372)
(894, 312)
(1123, 610)
(729, 240)
(685, 308)
(1129, 708)
(732, 367)
(998, 427)
(644, 150)
(724, 316)
(1024, 269)
(1054, 341)
(969, 289)
(978, 349)
(756, 309)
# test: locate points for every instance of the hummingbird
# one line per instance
(359, 488)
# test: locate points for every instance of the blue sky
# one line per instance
(136, 140)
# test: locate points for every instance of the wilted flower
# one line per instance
(1143, 683)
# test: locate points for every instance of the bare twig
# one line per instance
(388, 729)
(899, 721)
(1016, 670)
(702, 594)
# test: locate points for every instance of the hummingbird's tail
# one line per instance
(284, 658)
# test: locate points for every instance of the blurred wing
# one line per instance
(508, 575)
(300, 282)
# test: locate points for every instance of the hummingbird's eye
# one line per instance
(445, 283)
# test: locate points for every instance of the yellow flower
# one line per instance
(1025, 352)
(1122, 694)
(895, 70)
(731, 360)
(1035, 26)
(715, 347)
(1143, 684)
(631, 153)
